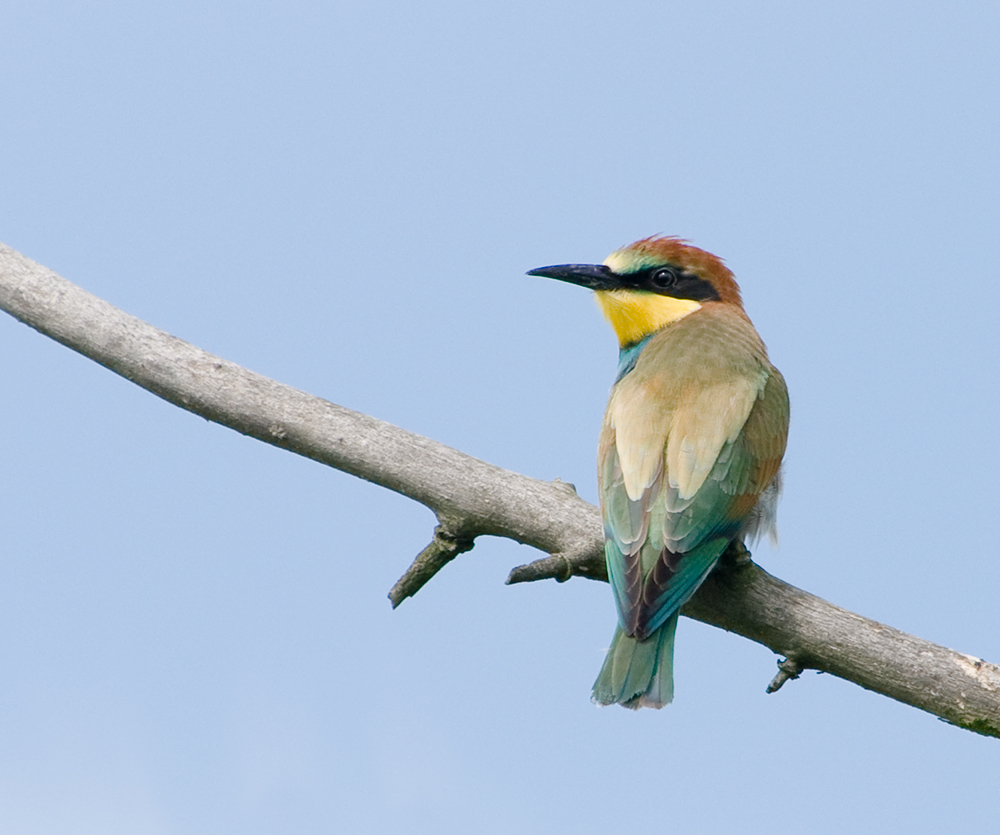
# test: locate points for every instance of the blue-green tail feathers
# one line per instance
(639, 673)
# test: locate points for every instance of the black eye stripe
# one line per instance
(674, 282)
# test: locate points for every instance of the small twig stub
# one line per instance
(787, 669)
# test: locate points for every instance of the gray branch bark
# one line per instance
(472, 498)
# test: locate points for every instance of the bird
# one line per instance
(690, 448)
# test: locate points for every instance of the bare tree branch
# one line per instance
(472, 498)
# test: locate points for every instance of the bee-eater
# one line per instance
(690, 447)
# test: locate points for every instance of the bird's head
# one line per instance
(645, 286)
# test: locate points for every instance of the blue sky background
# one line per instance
(194, 632)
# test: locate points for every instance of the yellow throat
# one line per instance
(635, 314)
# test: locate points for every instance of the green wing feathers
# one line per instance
(687, 449)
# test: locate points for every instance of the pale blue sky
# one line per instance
(194, 633)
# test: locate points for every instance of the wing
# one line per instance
(650, 573)
(681, 469)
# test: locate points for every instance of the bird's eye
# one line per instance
(663, 278)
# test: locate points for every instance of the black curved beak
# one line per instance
(593, 276)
